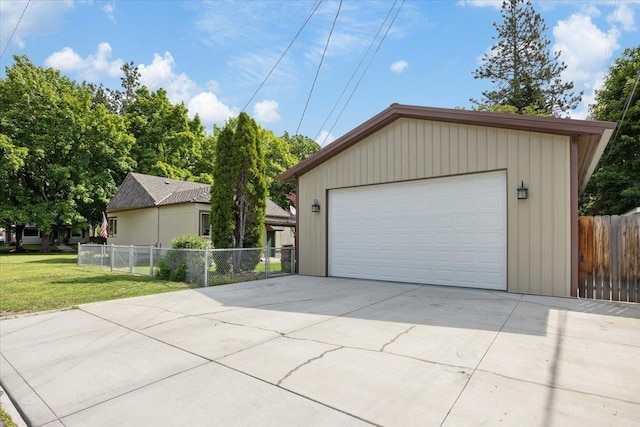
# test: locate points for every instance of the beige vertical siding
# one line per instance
(136, 227)
(178, 220)
(538, 251)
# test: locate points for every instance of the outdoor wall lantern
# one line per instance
(315, 207)
(523, 192)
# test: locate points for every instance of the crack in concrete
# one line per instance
(432, 362)
(396, 337)
(313, 359)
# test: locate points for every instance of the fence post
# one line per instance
(151, 261)
(293, 261)
(111, 257)
(206, 267)
(131, 259)
(266, 262)
(102, 255)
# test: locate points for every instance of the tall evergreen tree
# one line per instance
(238, 198)
(520, 65)
(614, 187)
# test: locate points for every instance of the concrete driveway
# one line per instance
(310, 351)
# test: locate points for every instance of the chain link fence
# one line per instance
(194, 266)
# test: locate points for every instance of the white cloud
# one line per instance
(590, 10)
(160, 74)
(497, 4)
(40, 19)
(91, 68)
(584, 46)
(325, 138)
(210, 109)
(252, 68)
(109, 9)
(213, 86)
(399, 66)
(589, 96)
(624, 16)
(65, 60)
(266, 111)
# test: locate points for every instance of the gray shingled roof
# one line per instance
(142, 191)
(194, 195)
(275, 210)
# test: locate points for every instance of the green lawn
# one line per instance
(37, 282)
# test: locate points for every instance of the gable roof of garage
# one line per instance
(592, 136)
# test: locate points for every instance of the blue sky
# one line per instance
(213, 55)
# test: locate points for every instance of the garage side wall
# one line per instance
(538, 245)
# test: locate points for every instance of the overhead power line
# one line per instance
(366, 69)
(324, 52)
(355, 71)
(15, 29)
(304, 24)
(627, 104)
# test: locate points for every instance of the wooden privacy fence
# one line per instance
(609, 257)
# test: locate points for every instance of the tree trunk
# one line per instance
(44, 242)
(19, 231)
(7, 233)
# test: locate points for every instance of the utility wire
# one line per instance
(628, 104)
(15, 29)
(357, 68)
(304, 24)
(319, 66)
(365, 70)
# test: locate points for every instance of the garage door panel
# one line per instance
(449, 231)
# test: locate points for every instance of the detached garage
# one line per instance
(427, 195)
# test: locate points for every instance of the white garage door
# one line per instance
(446, 231)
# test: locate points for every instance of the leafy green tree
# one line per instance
(238, 199)
(614, 187)
(13, 158)
(73, 150)
(278, 158)
(529, 110)
(203, 166)
(521, 67)
(301, 146)
(168, 143)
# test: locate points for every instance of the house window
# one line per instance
(31, 232)
(113, 227)
(77, 233)
(205, 226)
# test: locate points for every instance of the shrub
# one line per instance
(163, 271)
(189, 242)
(178, 265)
(250, 259)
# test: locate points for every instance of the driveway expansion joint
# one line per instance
(556, 387)
(470, 375)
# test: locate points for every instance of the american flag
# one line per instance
(104, 227)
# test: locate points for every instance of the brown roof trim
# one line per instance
(550, 125)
